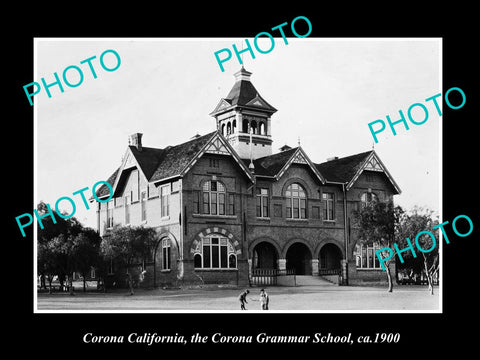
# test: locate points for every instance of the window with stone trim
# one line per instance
(262, 208)
(329, 206)
(143, 203)
(165, 200)
(110, 214)
(368, 198)
(296, 201)
(366, 258)
(213, 198)
(215, 252)
(166, 254)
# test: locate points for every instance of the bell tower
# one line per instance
(243, 117)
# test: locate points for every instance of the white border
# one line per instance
(35, 126)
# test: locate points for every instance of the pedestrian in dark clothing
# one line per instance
(243, 299)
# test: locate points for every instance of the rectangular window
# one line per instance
(296, 210)
(143, 200)
(127, 209)
(206, 203)
(213, 203)
(166, 258)
(221, 203)
(206, 256)
(231, 204)
(196, 202)
(135, 185)
(329, 206)
(214, 163)
(303, 208)
(262, 202)
(289, 209)
(366, 257)
(110, 214)
(165, 200)
(223, 257)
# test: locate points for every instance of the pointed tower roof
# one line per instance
(243, 94)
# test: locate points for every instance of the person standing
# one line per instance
(243, 299)
(264, 299)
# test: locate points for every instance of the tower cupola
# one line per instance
(244, 116)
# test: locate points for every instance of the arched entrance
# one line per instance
(264, 256)
(299, 258)
(330, 257)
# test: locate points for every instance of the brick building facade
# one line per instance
(223, 204)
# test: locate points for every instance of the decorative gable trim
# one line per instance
(128, 161)
(223, 104)
(373, 163)
(218, 145)
(257, 101)
(299, 157)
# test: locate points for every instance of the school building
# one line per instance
(225, 205)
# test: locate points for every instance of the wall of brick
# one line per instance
(183, 224)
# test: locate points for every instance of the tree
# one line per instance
(64, 246)
(417, 226)
(377, 223)
(85, 252)
(125, 244)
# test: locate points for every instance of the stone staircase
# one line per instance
(309, 280)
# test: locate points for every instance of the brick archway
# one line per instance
(197, 240)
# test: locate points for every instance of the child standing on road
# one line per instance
(264, 299)
(243, 299)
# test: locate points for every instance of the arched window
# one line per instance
(215, 252)
(229, 128)
(369, 198)
(166, 254)
(253, 126)
(234, 126)
(197, 260)
(223, 129)
(296, 202)
(213, 198)
(261, 129)
(245, 126)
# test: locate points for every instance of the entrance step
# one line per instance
(309, 280)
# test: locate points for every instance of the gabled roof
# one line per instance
(243, 94)
(347, 170)
(275, 165)
(342, 170)
(173, 161)
(176, 158)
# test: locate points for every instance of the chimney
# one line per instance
(136, 140)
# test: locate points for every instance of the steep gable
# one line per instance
(275, 165)
(347, 170)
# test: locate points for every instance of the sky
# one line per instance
(326, 92)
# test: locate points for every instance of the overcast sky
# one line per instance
(326, 92)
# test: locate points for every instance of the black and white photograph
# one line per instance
(284, 187)
(266, 179)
